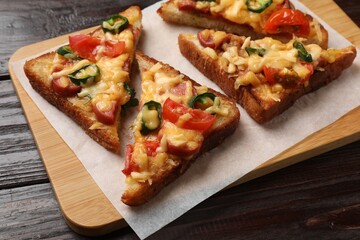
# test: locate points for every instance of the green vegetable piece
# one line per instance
(115, 24)
(259, 51)
(85, 76)
(150, 117)
(133, 102)
(303, 54)
(67, 52)
(201, 98)
(258, 6)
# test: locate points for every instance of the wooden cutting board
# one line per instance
(87, 210)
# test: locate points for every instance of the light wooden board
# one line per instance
(87, 210)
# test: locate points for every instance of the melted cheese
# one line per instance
(158, 86)
(67, 70)
(236, 11)
(182, 138)
(109, 85)
(233, 59)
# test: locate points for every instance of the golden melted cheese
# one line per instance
(158, 85)
(233, 59)
(236, 11)
(109, 84)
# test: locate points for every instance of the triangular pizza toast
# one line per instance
(264, 76)
(255, 18)
(88, 78)
(178, 121)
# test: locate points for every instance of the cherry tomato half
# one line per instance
(274, 75)
(288, 20)
(310, 67)
(199, 120)
(107, 117)
(150, 147)
(130, 165)
(84, 46)
(64, 87)
(270, 74)
(114, 49)
(187, 5)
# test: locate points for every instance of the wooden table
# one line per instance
(315, 199)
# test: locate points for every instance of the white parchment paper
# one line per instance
(250, 146)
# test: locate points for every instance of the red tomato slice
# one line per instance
(84, 46)
(130, 165)
(200, 120)
(273, 75)
(288, 20)
(270, 74)
(187, 5)
(311, 69)
(64, 87)
(114, 49)
(150, 147)
(106, 117)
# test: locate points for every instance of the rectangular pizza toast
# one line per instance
(264, 76)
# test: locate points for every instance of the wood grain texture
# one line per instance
(322, 186)
(19, 158)
(265, 208)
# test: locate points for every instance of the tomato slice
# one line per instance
(130, 165)
(199, 120)
(311, 70)
(114, 49)
(270, 74)
(274, 75)
(288, 20)
(64, 87)
(106, 117)
(187, 5)
(84, 46)
(150, 147)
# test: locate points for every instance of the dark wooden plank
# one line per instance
(24, 22)
(281, 205)
(32, 213)
(19, 158)
(316, 199)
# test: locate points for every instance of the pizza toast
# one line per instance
(264, 76)
(257, 19)
(88, 79)
(179, 120)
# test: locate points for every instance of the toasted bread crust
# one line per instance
(170, 13)
(262, 111)
(38, 70)
(223, 128)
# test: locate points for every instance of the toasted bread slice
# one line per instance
(92, 98)
(265, 76)
(227, 16)
(170, 135)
